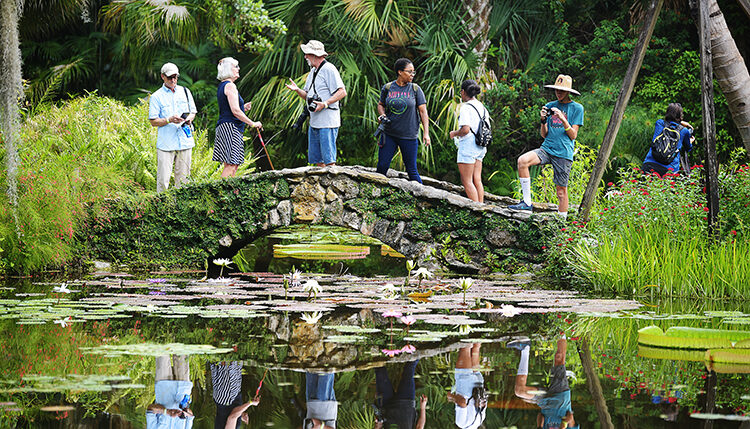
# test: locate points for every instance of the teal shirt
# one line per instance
(557, 143)
(554, 407)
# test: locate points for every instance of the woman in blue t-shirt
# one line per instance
(403, 104)
(672, 119)
(229, 148)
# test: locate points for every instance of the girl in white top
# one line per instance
(470, 155)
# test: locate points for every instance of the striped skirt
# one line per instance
(229, 147)
(227, 381)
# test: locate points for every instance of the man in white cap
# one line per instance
(322, 92)
(560, 121)
(171, 109)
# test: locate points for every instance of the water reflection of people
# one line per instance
(171, 406)
(227, 392)
(554, 404)
(468, 392)
(398, 407)
(322, 408)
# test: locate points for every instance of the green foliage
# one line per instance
(650, 235)
(73, 157)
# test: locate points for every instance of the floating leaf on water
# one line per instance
(386, 250)
(350, 329)
(714, 416)
(343, 339)
(329, 252)
(56, 408)
(154, 349)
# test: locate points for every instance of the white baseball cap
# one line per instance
(169, 69)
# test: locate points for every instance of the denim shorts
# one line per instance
(560, 167)
(321, 145)
(468, 151)
(466, 380)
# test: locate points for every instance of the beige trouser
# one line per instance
(178, 369)
(165, 160)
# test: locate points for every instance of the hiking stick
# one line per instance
(262, 143)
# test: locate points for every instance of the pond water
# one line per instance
(125, 351)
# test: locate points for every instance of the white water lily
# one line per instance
(296, 277)
(388, 291)
(64, 322)
(423, 273)
(312, 287)
(224, 262)
(464, 329)
(465, 283)
(312, 318)
(63, 288)
(410, 265)
(509, 310)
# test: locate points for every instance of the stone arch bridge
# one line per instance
(431, 223)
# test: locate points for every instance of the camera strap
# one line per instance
(315, 76)
(187, 99)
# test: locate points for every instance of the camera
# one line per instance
(547, 111)
(301, 120)
(312, 102)
(384, 121)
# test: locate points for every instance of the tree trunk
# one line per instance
(11, 91)
(730, 71)
(478, 22)
(595, 388)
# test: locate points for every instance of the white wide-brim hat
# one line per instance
(314, 47)
(563, 83)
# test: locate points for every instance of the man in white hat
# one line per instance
(171, 109)
(560, 121)
(322, 92)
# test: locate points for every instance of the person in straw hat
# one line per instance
(322, 92)
(560, 122)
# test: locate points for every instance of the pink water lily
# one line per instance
(408, 349)
(408, 320)
(392, 313)
(391, 352)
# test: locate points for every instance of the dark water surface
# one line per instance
(166, 351)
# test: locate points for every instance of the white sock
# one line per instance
(523, 366)
(564, 215)
(526, 189)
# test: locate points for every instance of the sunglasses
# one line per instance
(174, 76)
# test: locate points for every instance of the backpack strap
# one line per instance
(482, 116)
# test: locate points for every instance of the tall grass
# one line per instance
(650, 236)
(72, 156)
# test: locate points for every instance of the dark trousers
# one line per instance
(408, 149)
(406, 388)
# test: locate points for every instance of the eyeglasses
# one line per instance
(411, 72)
(174, 76)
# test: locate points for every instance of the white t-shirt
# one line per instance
(468, 116)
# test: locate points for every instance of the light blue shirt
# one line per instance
(169, 393)
(165, 103)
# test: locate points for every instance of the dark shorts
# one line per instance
(560, 167)
(652, 167)
(558, 382)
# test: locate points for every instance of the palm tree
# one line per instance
(11, 91)
(730, 71)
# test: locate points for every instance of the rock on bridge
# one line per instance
(431, 223)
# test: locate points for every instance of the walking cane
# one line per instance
(262, 143)
(257, 391)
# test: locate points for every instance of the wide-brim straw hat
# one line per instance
(314, 47)
(563, 83)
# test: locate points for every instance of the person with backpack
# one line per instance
(672, 137)
(554, 404)
(468, 393)
(401, 108)
(560, 121)
(472, 145)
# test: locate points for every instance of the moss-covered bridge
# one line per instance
(431, 223)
